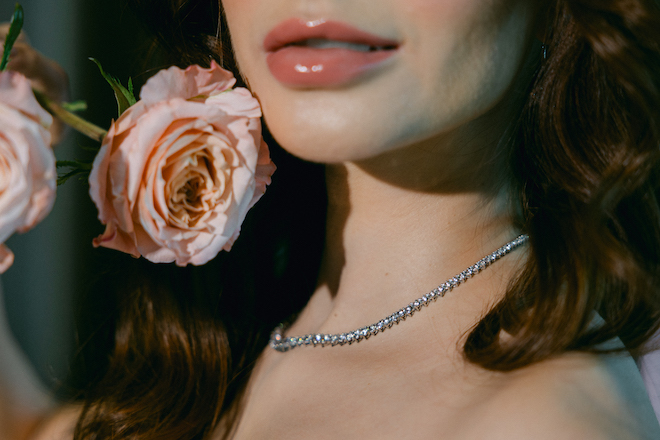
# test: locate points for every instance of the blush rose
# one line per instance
(27, 164)
(179, 170)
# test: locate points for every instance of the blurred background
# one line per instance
(55, 263)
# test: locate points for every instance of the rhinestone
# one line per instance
(281, 343)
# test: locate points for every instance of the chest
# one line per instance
(329, 396)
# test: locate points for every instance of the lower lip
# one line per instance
(299, 66)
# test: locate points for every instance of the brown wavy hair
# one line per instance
(585, 165)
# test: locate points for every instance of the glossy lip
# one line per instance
(294, 64)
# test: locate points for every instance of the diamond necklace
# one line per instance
(282, 343)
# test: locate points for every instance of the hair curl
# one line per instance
(585, 172)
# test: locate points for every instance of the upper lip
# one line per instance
(297, 31)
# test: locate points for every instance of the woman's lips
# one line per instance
(323, 53)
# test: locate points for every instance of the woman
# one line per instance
(446, 131)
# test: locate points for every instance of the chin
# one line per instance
(322, 136)
(322, 147)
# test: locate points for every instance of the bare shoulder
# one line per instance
(59, 426)
(575, 396)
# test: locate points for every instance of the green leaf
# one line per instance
(75, 106)
(125, 97)
(14, 31)
(61, 179)
(73, 164)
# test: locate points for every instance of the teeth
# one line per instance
(331, 44)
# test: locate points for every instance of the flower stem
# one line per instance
(74, 121)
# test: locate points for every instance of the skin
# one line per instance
(417, 192)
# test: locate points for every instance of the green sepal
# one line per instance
(125, 97)
(78, 168)
(94, 150)
(75, 106)
(14, 31)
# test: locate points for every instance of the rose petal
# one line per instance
(182, 169)
(27, 164)
(6, 258)
(113, 238)
(186, 84)
(237, 102)
(16, 92)
(263, 174)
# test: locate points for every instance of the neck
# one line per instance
(401, 224)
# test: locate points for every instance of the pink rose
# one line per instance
(27, 164)
(179, 170)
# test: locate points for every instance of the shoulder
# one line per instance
(59, 426)
(575, 396)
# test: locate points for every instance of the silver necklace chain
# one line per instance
(282, 343)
